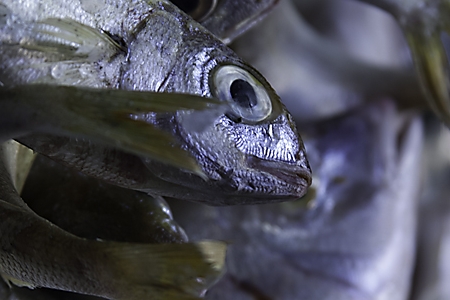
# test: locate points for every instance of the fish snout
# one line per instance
(296, 176)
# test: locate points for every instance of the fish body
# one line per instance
(251, 153)
(93, 209)
(36, 253)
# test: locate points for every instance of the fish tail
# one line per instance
(165, 271)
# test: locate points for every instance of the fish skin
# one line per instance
(92, 209)
(227, 19)
(239, 169)
(36, 253)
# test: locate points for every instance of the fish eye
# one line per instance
(249, 99)
(199, 10)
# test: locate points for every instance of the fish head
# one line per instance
(249, 149)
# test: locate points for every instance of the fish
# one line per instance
(226, 19)
(433, 255)
(355, 237)
(92, 209)
(36, 253)
(426, 28)
(250, 153)
(317, 77)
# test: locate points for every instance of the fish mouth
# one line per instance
(290, 173)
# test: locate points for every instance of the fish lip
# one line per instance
(290, 172)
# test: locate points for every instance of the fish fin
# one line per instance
(432, 66)
(18, 161)
(11, 280)
(72, 40)
(113, 117)
(70, 49)
(64, 48)
(172, 269)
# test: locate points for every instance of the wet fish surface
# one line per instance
(250, 153)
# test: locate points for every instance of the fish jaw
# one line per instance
(274, 170)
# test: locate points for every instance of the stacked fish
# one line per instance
(136, 109)
(121, 91)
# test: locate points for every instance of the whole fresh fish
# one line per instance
(251, 153)
(36, 253)
(226, 19)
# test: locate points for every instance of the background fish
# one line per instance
(355, 239)
(426, 27)
(433, 255)
(250, 154)
(226, 19)
(92, 209)
(318, 72)
(36, 253)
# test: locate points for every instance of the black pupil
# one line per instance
(243, 93)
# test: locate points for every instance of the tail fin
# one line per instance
(167, 271)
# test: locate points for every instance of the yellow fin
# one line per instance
(177, 269)
(8, 280)
(18, 161)
(432, 67)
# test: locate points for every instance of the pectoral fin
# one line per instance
(433, 69)
(106, 116)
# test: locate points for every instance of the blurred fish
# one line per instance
(250, 153)
(36, 253)
(433, 248)
(355, 239)
(226, 19)
(315, 76)
(425, 23)
(92, 209)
